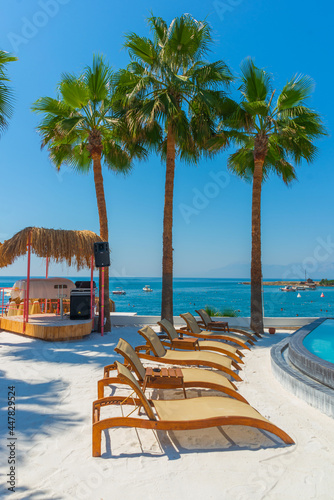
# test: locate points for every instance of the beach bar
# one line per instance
(72, 247)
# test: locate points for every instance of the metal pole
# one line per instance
(46, 277)
(91, 291)
(26, 317)
(102, 303)
(3, 300)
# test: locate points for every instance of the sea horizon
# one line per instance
(222, 294)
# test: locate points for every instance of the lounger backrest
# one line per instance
(129, 354)
(126, 376)
(153, 340)
(204, 315)
(168, 328)
(191, 322)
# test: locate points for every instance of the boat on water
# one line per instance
(147, 288)
(119, 291)
(288, 288)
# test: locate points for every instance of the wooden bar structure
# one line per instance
(47, 327)
(73, 247)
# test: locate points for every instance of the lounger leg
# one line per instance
(96, 442)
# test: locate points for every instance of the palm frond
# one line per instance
(98, 79)
(256, 85)
(74, 91)
(295, 92)
(141, 48)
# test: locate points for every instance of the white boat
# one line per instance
(288, 288)
(119, 291)
(147, 288)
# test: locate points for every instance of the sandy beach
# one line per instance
(55, 384)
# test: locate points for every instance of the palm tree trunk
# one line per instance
(104, 233)
(256, 266)
(167, 250)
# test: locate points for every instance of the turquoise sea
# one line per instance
(193, 293)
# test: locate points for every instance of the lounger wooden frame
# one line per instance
(208, 323)
(203, 334)
(216, 362)
(172, 335)
(154, 422)
(131, 360)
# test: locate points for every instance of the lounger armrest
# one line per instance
(108, 368)
(213, 327)
(184, 331)
(103, 382)
(145, 348)
(163, 336)
(113, 400)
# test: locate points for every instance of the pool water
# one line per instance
(320, 341)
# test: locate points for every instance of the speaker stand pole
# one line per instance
(92, 294)
(102, 303)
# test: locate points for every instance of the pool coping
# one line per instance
(314, 393)
(317, 368)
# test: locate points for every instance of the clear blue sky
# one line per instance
(212, 220)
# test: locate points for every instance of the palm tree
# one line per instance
(6, 95)
(169, 84)
(272, 135)
(79, 129)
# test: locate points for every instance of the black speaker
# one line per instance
(101, 254)
(84, 284)
(80, 306)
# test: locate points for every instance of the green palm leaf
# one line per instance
(6, 94)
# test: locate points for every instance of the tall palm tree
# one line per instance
(272, 135)
(170, 84)
(6, 95)
(79, 129)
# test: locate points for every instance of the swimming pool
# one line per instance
(300, 363)
(311, 350)
(320, 341)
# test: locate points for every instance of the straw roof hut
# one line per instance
(73, 247)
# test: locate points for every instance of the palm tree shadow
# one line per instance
(38, 410)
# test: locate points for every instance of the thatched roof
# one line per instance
(73, 247)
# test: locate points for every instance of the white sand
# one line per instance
(55, 386)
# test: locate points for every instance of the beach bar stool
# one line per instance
(35, 308)
(20, 309)
(12, 309)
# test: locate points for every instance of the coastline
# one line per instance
(286, 283)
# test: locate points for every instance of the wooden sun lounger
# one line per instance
(184, 414)
(208, 324)
(192, 377)
(197, 358)
(195, 344)
(193, 329)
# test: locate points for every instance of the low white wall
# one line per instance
(131, 319)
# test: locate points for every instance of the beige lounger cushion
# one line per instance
(171, 332)
(205, 317)
(204, 407)
(153, 338)
(206, 344)
(125, 347)
(169, 328)
(199, 356)
(232, 335)
(190, 320)
(193, 375)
